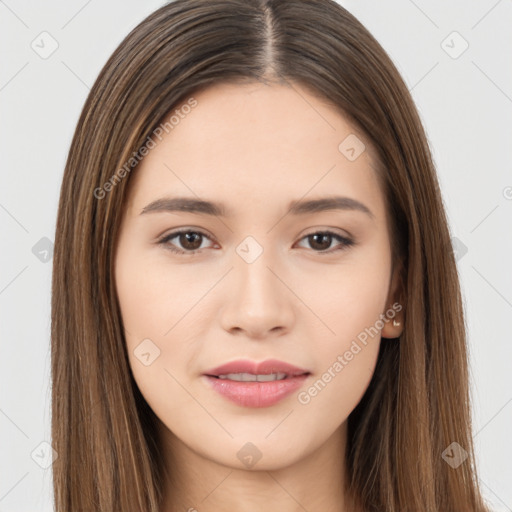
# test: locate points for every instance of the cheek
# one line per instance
(350, 305)
(162, 314)
(147, 316)
(155, 295)
(143, 302)
(344, 360)
(352, 295)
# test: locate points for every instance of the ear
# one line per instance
(394, 313)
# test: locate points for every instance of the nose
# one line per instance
(260, 302)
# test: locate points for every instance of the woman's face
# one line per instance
(265, 281)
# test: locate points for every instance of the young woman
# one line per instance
(254, 289)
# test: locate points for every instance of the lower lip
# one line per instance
(256, 394)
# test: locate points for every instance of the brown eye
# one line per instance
(321, 241)
(189, 240)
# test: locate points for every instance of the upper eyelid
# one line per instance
(177, 232)
(314, 231)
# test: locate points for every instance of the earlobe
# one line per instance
(392, 328)
(393, 325)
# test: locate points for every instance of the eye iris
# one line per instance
(185, 241)
(322, 236)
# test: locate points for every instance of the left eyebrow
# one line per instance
(297, 207)
(328, 204)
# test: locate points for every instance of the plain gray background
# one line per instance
(464, 96)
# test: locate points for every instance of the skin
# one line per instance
(255, 148)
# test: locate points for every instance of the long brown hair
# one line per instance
(417, 403)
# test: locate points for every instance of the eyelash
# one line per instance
(345, 242)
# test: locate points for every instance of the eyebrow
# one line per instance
(297, 207)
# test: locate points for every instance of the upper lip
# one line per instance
(263, 368)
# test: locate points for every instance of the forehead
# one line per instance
(253, 145)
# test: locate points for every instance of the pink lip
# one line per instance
(256, 394)
(263, 368)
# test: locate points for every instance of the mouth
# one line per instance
(251, 384)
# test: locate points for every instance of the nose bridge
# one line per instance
(256, 285)
(259, 301)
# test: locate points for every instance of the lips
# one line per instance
(231, 381)
(263, 368)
